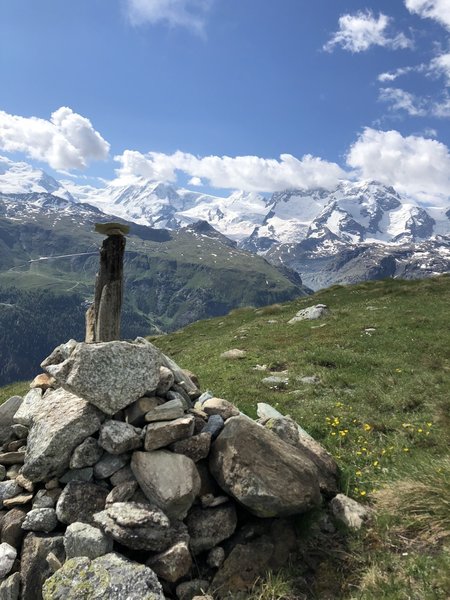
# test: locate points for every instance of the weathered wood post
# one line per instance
(103, 316)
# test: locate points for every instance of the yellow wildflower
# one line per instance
(367, 427)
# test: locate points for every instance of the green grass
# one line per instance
(381, 408)
(14, 389)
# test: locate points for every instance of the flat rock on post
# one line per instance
(268, 476)
(110, 375)
(60, 424)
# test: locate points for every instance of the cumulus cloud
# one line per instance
(66, 141)
(439, 10)
(176, 13)
(363, 30)
(404, 101)
(250, 173)
(414, 165)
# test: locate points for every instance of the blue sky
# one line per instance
(294, 93)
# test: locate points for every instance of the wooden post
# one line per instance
(103, 317)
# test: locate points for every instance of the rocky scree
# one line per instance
(127, 482)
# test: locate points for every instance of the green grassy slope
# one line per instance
(381, 408)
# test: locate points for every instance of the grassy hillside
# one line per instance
(381, 407)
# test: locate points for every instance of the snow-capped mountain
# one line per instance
(22, 178)
(354, 212)
(295, 228)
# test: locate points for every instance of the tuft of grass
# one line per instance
(275, 586)
(419, 506)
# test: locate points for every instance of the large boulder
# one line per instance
(60, 424)
(268, 476)
(110, 576)
(110, 375)
(169, 480)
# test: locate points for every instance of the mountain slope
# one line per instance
(171, 278)
(380, 405)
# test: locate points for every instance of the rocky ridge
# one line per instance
(121, 479)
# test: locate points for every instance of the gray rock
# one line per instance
(135, 413)
(195, 447)
(163, 433)
(34, 565)
(82, 539)
(85, 474)
(172, 564)
(214, 426)
(111, 375)
(86, 454)
(169, 480)
(289, 431)
(275, 381)
(122, 492)
(110, 576)
(208, 527)
(166, 381)
(40, 519)
(309, 379)
(215, 557)
(311, 313)
(189, 589)
(117, 437)
(204, 397)
(173, 409)
(60, 423)
(8, 409)
(181, 377)
(110, 464)
(10, 588)
(234, 354)
(179, 394)
(265, 411)
(8, 489)
(349, 512)
(43, 499)
(27, 408)
(79, 501)
(2, 472)
(219, 406)
(137, 526)
(8, 555)
(268, 476)
(60, 353)
(122, 475)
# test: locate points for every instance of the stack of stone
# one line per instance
(121, 480)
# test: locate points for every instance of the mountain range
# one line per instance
(358, 230)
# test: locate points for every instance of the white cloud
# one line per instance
(414, 165)
(359, 32)
(440, 67)
(439, 10)
(195, 181)
(176, 13)
(66, 141)
(250, 173)
(393, 75)
(401, 100)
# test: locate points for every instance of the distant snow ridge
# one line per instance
(352, 213)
